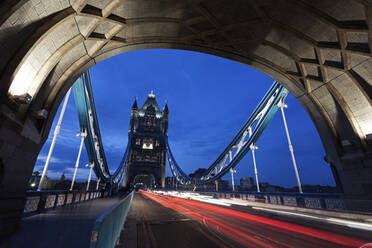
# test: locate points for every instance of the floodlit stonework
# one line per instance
(148, 131)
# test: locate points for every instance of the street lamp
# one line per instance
(90, 173)
(282, 105)
(83, 135)
(232, 171)
(253, 147)
(56, 132)
(98, 181)
(216, 181)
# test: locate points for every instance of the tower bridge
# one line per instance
(145, 157)
(320, 51)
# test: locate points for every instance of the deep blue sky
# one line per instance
(209, 99)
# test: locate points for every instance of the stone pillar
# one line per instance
(355, 173)
(19, 148)
(159, 179)
(352, 171)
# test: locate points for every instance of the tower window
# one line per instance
(138, 141)
(147, 144)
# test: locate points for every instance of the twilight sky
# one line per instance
(209, 99)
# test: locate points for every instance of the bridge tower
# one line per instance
(147, 154)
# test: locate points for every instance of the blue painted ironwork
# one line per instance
(177, 172)
(108, 226)
(88, 120)
(228, 159)
(120, 171)
(240, 145)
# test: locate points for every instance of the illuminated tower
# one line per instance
(147, 154)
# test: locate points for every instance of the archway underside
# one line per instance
(146, 179)
(319, 50)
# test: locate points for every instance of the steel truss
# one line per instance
(88, 120)
(242, 142)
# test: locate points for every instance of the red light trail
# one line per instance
(238, 226)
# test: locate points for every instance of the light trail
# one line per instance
(240, 237)
(230, 202)
(351, 224)
(348, 223)
(240, 226)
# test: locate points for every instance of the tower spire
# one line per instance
(165, 109)
(151, 95)
(135, 106)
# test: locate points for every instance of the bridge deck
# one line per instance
(150, 224)
(166, 221)
(69, 226)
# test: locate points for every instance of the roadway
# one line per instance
(167, 221)
(149, 224)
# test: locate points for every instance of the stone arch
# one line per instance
(147, 176)
(320, 50)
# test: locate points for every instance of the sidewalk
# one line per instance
(68, 226)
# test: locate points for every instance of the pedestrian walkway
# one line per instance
(68, 226)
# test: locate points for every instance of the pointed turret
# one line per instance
(165, 118)
(135, 106)
(133, 115)
(165, 109)
(63, 177)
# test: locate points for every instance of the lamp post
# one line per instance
(232, 171)
(282, 105)
(216, 181)
(83, 134)
(253, 148)
(98, 181)
(90, 173)
(56, 132)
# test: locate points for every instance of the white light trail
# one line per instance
(336, 221)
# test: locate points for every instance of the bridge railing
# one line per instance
(314, 201)
(41, 201)
(317, 201)
(332, 202)
(108, 226)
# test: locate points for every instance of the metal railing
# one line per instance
(108, 226)
(307, 200)
(41, 201)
